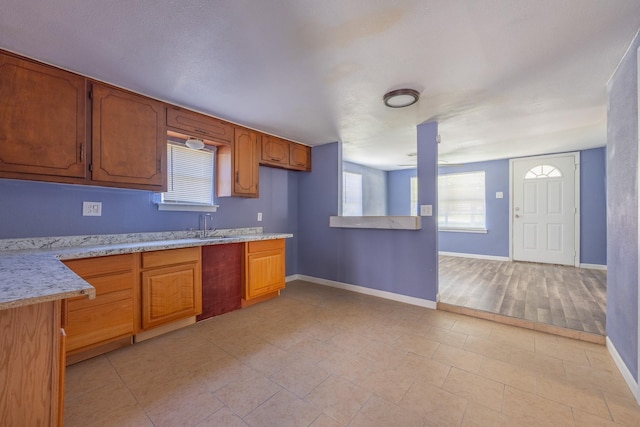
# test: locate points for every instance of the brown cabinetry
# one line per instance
(32, 373)
(275, 151)
(221, 279)
(195, 124)
(171, 286)
(285, 154)
(300, 157)
(264, 270)
(238, 173)
(42, 121)
(108, 321)
(129, 139)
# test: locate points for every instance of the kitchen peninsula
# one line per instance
(40, 296)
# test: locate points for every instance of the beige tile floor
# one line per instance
(318, 356)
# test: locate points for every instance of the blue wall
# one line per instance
(593, 206)
(374, 188)
(36, 209)
(622, 208)
(399, 261)
(399, 191)
(593, 217)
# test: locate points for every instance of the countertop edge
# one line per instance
(37, 288)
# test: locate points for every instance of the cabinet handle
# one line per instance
(159, 165)
(81, 152)
(201, 131)
(238, 176)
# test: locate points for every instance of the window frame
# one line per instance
(345, 194)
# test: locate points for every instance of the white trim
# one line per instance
(626, 374)
(638, 236)
(576, 179)
(476, 256)
(463, 230)
(183, 207)
(593, 266)
(292, 278)
(367, 291)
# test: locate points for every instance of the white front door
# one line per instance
(544, 209)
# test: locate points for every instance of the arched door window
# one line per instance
(543, 171)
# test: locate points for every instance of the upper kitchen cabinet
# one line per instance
(129, 139)
(280, 153)
(237, 165)
(274, 152)
(42, 121)
(199, 125)
(300, 157)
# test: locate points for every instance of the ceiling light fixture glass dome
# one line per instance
(401, 98)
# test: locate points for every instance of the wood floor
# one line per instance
(557, 295)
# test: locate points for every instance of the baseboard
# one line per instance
(292, 278)
(367, 291)
(478, 256)
(626, 374)
(593, 266)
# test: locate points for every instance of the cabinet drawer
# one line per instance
(199, 125)
(265, 245)
(170, 257)
(81, 303)
(88, 267)
(93, 325)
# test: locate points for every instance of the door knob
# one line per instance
(517, 216)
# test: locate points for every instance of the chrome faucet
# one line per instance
(203, 231)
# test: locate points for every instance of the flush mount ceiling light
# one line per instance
(195, 143)
(401, 98)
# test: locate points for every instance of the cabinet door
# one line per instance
(265, 272)
(245, 163)
(300, 157)
(129, 139)
(29, 378)
(171, 293)
(195, 124)
(275, 151)
(42, 120)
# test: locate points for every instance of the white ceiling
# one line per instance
(503, 78)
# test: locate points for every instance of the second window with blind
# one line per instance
(461, 202)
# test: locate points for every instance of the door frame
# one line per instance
(576, 155)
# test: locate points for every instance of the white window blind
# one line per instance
(461, 201)
(190, 176)
(351, 194)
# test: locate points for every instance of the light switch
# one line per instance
(91, 208)
(259, 216)
(426, 210)
(499, 195)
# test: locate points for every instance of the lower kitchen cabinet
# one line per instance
(171, 286)
(108, 321)
(32, 374)
(221, 279)
(264, 272)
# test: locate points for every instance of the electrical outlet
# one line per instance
(91, 208)
(259, 216)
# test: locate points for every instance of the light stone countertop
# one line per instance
(31, 270)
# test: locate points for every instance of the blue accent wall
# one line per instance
(38, 209)
(593, 213)
(399, 261)
(399, 191)
(593, 206)
(374, 188)
(622, 209)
